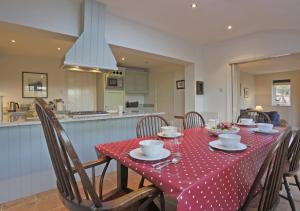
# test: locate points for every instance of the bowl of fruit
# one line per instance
(223, 128)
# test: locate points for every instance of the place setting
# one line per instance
(227, 143)
(265, 128)
(246, 122)
(170, 132)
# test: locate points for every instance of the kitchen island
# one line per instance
(25, 163)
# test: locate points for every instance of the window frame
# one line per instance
(281, 82)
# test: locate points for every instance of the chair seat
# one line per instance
(287, 172)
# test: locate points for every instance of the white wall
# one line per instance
(218, 56)
(163, 92)
(247, 81)
(62, 16)
(77, 89)
(11, 68)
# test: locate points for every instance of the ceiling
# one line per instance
(133, 58)
(32, 42)
(279, 64)
(208, 22)
(43, 44)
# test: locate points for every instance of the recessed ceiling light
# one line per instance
(58, 48)
(194, 5)
(123, 59)
(13, 41)
(229, 27)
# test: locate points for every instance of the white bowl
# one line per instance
(168, 130)
(265, 127)
(246, 121)
(229, 140)
(151, 148)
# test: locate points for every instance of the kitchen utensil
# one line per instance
(229, 140)
(151, 148)
(272, 131)
(265, 127)
(173, 135)
(13, 106)
(175, 160)
(139, 155)
(160, 163)
(235, 148)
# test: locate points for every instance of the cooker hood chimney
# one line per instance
(91, 52)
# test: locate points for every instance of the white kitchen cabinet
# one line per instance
(136, 82)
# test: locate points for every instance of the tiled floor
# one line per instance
(49, 201)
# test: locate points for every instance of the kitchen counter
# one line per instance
(25, 164)
(66, 118)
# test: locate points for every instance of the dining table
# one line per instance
(204, 179)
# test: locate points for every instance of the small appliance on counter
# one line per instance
(132, 104)
(59, 105)
(13, 106)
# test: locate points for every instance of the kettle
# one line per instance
(13, 106)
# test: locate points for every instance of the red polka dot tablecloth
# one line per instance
(202, 180)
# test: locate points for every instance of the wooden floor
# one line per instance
(49, 201)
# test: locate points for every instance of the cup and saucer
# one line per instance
(150, 150)
(265, 128)
(246, 122)
(228, 142)
(169, 132)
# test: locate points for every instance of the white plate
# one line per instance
(219, 131)
(175, 135)
(218, 145)
(246, 125)
(138, 154)
(273, 131)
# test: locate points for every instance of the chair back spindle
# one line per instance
(294, 154)
(150, 125)
(192, 120)
(272, 171)
(64, 159)
(257, 116)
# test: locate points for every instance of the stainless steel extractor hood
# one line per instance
(91, 52)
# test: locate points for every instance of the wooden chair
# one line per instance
(66, 164)
(150, 126)
(192, 120)
(292, 169)
(272, 171)
(257, 116)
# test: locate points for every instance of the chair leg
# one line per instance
(142, 182)
(289, 194)
(148, 201)
(162, 202)
(297, 181)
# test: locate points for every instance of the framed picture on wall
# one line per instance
(246, 92)
(180, 84)
(199, 87)
(34, 85)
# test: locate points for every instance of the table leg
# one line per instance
(122, 177)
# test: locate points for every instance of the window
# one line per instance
(281, 93)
